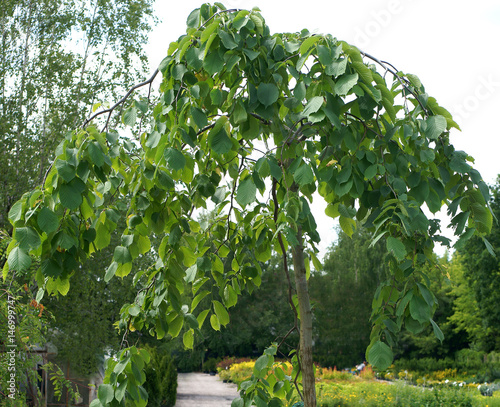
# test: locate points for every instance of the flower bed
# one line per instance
(342, 388)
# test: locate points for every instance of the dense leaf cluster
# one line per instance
(256, 123)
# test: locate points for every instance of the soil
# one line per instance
(204, 390)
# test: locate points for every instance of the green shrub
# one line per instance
(210, 365)
(161, 380)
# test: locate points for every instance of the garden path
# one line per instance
(203, 390)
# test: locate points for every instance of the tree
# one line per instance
(57, 60)
(257, 123)
(342, 295)
(482, 272)
(161, 382)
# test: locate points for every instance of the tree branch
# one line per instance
(122, 100)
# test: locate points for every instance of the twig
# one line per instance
(122, 100)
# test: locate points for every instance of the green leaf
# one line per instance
(175, 159)
(51, 268)
(110, 272)
(95, 154)
(419, 309)
(105, 393)
(214, 321)
(337, 68)
(483, 218)
(213, 63)
(348, 225)
(188, 339)
(227, 40)
(313, 105)
(364, 72)
(16, 212)
(71, 194)
(221, 312)
(238, 402)
(122, 255)
(230, 296)
(28, 238)
(205, 35)
(193, 20)
(96, 403)
(380, 355)
(130, 116)
(345, 84)
(261, 364)
(267, 93)
(489, 247)
(246, 192)
(308, 43)
(396, 247)
(220, 142)
(19, 259)
(199, 117)
(65, 170)
(436, 125)
(303, 175)
(437, 331)
(239, 113)
(62, 286)
(175, 326)
(120, 390)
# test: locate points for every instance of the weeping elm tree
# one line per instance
(259, 124)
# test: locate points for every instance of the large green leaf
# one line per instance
(227, 40)
(380, 355)
(122, 255)
(345, 84)
(16, 212)
(65, 170)
(19, 259)
(188, 339)
(130, 116)
(396, 247)
(28, 238)
(436, 125)
(303, 175)
(313, 105)
(221, 312)
(47, 220)
(246, 192)
(175, 159)
(214, 321)
(71, 194)
(308, 43)
(267, 93)
(95, 154)
(220, 142)
(105, 393)
(419, 309)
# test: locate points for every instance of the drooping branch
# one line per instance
(121, 101)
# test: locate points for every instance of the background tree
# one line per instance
(58, 59)
(243, 111)
(342, 295)
(443, 278)
(466, 317)
(483, 275)
(161, 379)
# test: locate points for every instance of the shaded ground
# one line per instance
(203, 390)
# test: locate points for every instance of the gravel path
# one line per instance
(203, 390)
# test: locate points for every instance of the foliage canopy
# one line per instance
(257, 123)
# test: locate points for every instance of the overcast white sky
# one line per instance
(451, 46)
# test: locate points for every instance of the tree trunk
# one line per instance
(305, 351)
